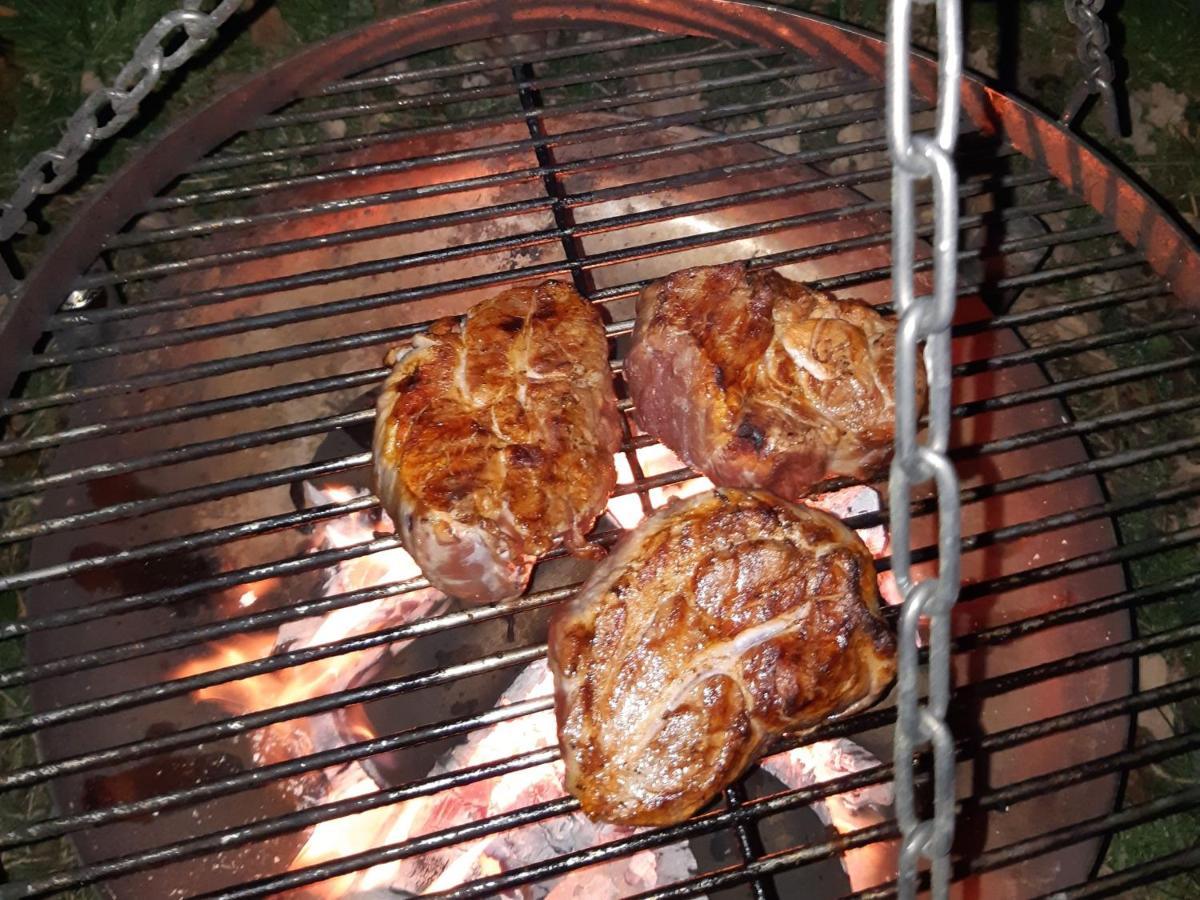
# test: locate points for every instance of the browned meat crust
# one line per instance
(494, 439)
(721, 622)
(761, 382)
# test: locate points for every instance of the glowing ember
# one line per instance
(448, 868)
(324, 676)
(824, 761)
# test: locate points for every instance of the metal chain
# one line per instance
(50, 170)
(1092, 50)
(924, 319)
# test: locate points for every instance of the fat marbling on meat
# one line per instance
(758, 381)
(494, 438)
(721, 622)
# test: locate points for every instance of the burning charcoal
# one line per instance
(445, 869)
(824, 761)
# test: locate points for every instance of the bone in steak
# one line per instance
(719, 623)
(758, 381)
(494, 439)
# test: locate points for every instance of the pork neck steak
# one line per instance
(718, 624)
(494, 439)
(758, 381)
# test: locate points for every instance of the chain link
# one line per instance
(107, 110)
(1098, 71)
(924, 320)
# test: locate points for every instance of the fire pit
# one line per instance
(241, 685)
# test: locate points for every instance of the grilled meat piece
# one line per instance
(494, 439)
(761, 382)
(719, 623)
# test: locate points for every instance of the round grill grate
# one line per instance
(186, 440)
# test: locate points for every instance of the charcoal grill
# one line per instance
(200, 343)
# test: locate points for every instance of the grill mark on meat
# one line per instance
(716, 662)
(524, 456)
(512, 325)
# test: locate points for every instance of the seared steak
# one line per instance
(494, 439)
(761, 382)
(719, 623)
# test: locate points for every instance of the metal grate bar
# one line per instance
(107, 655)
(236, 725)
(446, 97)
(1066, 308)
(1129, 817)
(317, 426)
(314, 348)
(749, 843)
(444, 220)
(526, 145)
(795, 858)
(199, 410)
(1097, 466)
(880, 274)
(763, 868)
(439, 623)
(497, 61)
(530, 80)
(232, 578)
(214, 537)
(283, 393)
(227, 161)
(239, 724)
(263, 251)
(1076, 385)
(561, 232)
(187, 496)
(1029, 732)
(1150, 872)
(750, 812)
(367, 339)
(214, 226)
(186, 453)
(348, 753)
(1126, 600)
(1043, 352)
(790, 799)
(578, 262)
(291, 613)
(999, 798)
(873, 175)
(217, 490)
